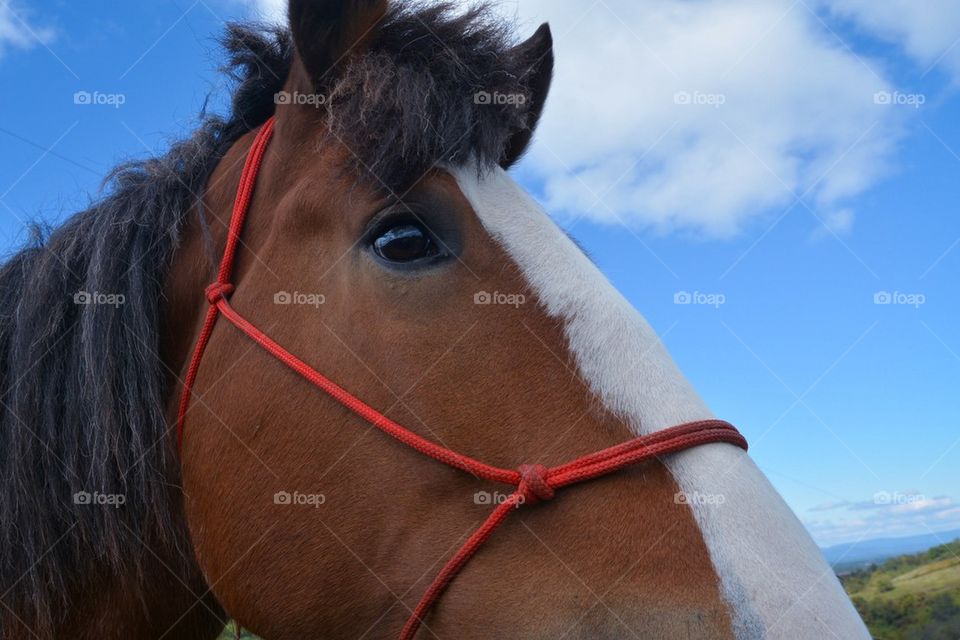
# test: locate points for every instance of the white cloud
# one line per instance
(16, 32)
(929, 31)
(835, 223)
(702, 115)
(887, 514)
(829, 506)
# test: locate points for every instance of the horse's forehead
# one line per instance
(619, 355)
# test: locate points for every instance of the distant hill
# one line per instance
(846, 557)
(911, 597)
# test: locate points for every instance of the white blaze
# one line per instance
(774, 577)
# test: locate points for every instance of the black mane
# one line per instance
(82, 390)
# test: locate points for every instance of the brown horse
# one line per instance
(387, 246)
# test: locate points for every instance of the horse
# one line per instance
(387, 246)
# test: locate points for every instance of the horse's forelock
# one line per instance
(435, 84)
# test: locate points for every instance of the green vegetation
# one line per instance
(914, 597)
(230, 633)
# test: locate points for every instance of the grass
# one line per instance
(230, 634)
(936, 577)
(910, 597)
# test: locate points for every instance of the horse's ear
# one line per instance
(327, 32)
(535, 61)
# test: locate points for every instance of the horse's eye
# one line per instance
(407, 242)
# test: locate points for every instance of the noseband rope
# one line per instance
(533, 483)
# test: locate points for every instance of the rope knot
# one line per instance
(218, 291)
(534, 486)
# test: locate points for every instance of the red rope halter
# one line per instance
(533, 483)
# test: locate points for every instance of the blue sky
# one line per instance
(780, 185)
